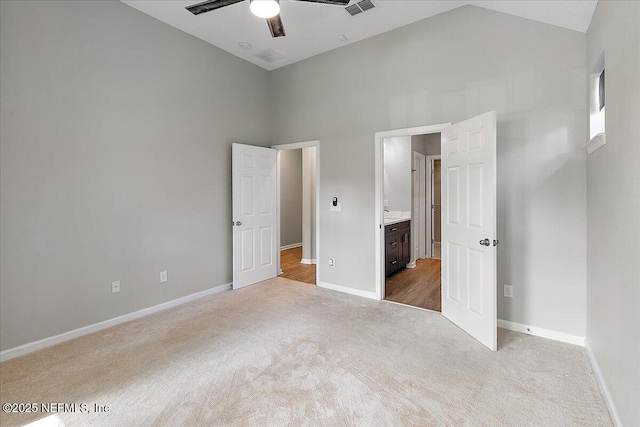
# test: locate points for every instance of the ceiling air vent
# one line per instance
(359, 7)
(270, 56)
(366, 5)
(353, 9)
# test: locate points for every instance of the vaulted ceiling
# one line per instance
(314, 28)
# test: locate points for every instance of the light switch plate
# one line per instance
(164, 276)
(115, 287)
(508, 291)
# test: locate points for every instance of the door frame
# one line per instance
(379, 192)
(429, 245)
(419, 201)
(295, 146)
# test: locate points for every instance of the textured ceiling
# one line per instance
(312, 28)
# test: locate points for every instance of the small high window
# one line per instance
(596, 107)
(601, 90)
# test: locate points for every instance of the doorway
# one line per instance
(298, 216)
(469, 240)
(410, 194)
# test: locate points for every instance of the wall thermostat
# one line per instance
(335, 205)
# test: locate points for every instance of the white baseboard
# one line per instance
(85, 330)
(411, 265)
(539, 332)
(346, 290)
(294, 245)
(603, 385)
(307, 261)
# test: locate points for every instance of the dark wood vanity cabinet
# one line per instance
(397, 246)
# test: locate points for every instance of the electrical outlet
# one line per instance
(164, 276)
(508, 291)
(332, 262)
(115, 287)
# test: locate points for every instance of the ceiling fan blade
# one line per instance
(275, 26)
(336, 2)
(209, 5)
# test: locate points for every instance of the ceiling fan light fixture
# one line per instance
(265, 8)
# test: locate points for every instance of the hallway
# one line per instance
(292, 269)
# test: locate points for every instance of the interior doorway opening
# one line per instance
(411, 199)
(298, 216)
(468, 191)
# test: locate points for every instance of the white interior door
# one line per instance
(255, 242)
(469, 268)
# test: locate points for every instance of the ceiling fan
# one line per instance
(268, 9)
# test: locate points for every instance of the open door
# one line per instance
(469, 261)
(255, 243)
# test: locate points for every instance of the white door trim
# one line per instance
(379, 189)
(419, 206)
(429, 220)
(295, 146)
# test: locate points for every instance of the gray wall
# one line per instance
(397, 173)
(428, 144)
(290, 197)
(417, 144)
(116, 134)
(613, 209)
(531, 73)
(309, 191)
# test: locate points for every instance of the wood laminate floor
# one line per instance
(419, 287)
(292, 269)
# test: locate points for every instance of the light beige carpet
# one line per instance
(291, 354)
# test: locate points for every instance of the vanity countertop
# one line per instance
(395, 217)
(389, 221)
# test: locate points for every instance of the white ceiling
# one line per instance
(312, 28)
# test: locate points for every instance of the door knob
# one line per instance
(239, 223)
(485, 242)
